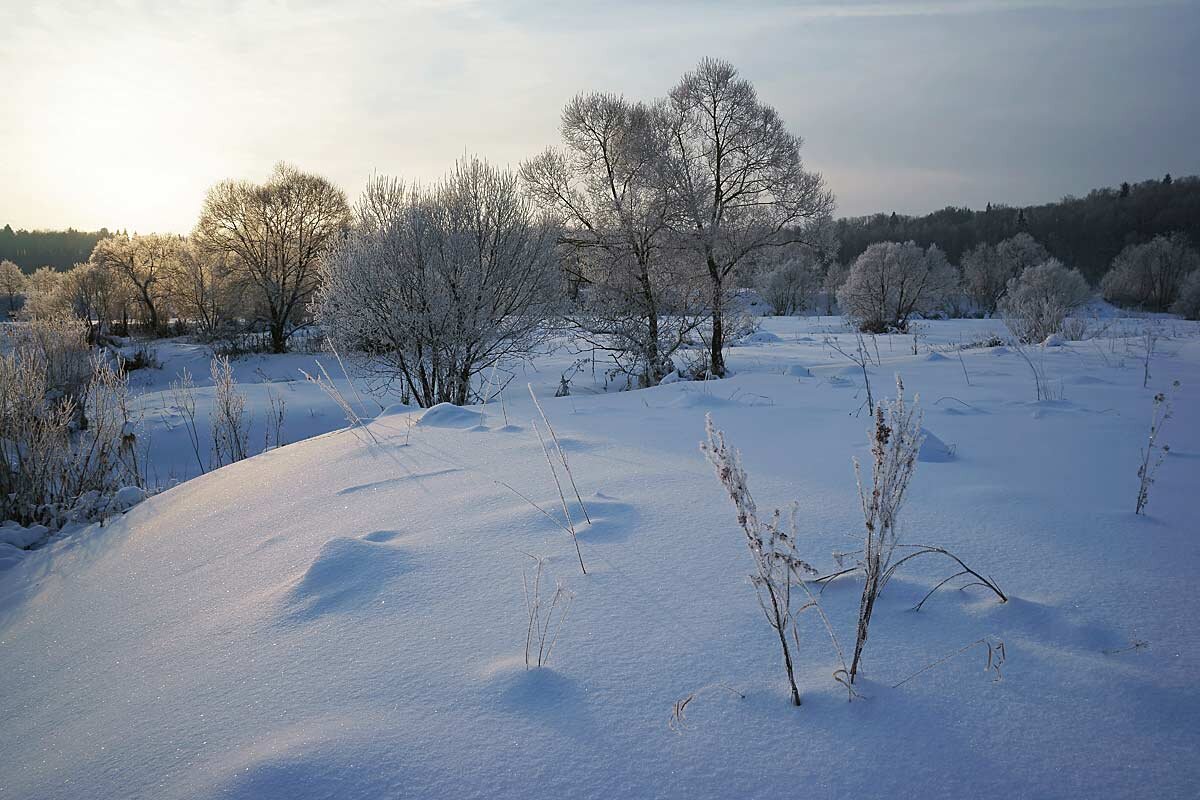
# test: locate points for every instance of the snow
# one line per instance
(338, 618)
(933, 449)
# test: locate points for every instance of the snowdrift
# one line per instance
(339, 619)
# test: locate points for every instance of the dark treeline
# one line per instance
(59, 249)
(1082, 232)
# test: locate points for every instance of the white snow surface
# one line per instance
(336, 618)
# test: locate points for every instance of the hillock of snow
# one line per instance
(344, 618)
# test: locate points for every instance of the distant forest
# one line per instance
(59, 249)
(1084, 232)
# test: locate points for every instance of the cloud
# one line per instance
(125, 112)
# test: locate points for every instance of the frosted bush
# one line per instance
(1188, 304)
(1041, 298)
(891, 282)
(64, 455)
(230, 428)
(1151, 275)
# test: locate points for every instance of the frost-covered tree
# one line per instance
(1022, 251)
(601, 185)
(790, 281)
(1188, 304)
(144, 262)
(1151, 275)
(434, 285)
(204, 287)
(43, 296)
(987, 269)
(276, 233)
(1041, 298)
(892, 281)
(985, 277)
(95, 294)
(12, 281)
(737, 179)
(835, 278)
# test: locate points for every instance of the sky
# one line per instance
(122, 114)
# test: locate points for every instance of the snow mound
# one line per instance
(671, 377)
(1053, 340)
(932, 356)
(448, 415)
(797, 371)
(13, 534)
(540, 690)
(347, 575)
(762, 337)
(127, 497)
(934, 450)
(691, 398)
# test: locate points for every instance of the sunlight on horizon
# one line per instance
(128, 112)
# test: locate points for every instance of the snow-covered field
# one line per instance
(339, 618)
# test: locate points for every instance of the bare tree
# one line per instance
(737, 178)
(890, 282)
(640, 303)
(433, 286)
(277, 233)
(144, 261)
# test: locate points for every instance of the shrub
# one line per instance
(1040, 299)
(65, 454)
(1188, 304)
(1151, 275)
(230, 428)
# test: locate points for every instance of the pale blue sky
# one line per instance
(123, 113)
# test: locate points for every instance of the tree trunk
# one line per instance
(653, 358)
(716, 365)
(278, 337)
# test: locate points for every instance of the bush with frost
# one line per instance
(892, 281)
(68, 435)
(1041, 298)
(1188, 303)
(1151, 275)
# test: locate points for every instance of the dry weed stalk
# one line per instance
(545, 617)
(561, 454)
(778, 569)
(1150, 464)
(561, 496)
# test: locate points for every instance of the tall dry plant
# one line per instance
(230, 428)
(779, 576)
(895, 446)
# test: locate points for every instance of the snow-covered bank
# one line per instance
(332, 619)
